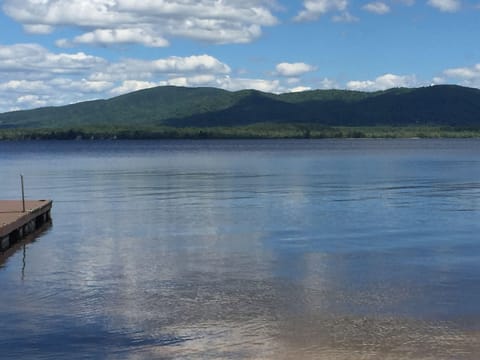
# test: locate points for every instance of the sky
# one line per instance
(56, 52)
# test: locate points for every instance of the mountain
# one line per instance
(445, 105)
(144, 107)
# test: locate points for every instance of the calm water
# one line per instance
(325, 249)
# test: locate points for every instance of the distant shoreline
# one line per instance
(256, 131)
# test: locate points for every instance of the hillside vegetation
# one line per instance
(169, 109)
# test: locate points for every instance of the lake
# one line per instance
(271, 249)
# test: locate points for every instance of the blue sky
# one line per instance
(55, 52)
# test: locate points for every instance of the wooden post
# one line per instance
(23, 194)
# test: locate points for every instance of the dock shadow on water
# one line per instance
(330, 250)
(21, 244)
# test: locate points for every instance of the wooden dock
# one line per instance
(15, 223)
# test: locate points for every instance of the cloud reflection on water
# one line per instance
(250, 254)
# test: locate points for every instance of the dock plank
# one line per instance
(12, 217)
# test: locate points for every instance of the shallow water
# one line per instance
(321, 249)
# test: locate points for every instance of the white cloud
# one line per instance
(32, 57)
(197, 68)
(377, 7)
(117, 36)
(148, 22)
(132, 85)
(438, 80)
(314, 9)
(82, 85)
(197, 80)
(203, 63)
(33, 76)
(216, 31)
(445, 5)
(173, 66)
(300, 89)
(467, 76)
(30, 72)
(329, 84)
(465, 73)
(23, 86)
(31, 101)
(294, 69)
(234, 84)
(383, 82)
(179, 81)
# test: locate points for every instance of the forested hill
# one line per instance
(448, 105)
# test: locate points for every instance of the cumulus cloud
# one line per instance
(81, 85)
(314, 9)
(31, 72)
(28, 57)
(217, 32)
(204, 63)
(234, 84)
(31, 100)
(438, 80)
(132, 85)
(377, 7)
(149, 22)
(294, 69)
(300, 88)
(467, 76)
(195, 80)
(174, 66)
(445, 5)
(464, 73)
(23, 86)
(329, 84)
(383, 82)
(116, 36)
(32, 76)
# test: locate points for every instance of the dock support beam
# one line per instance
(4, 243)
